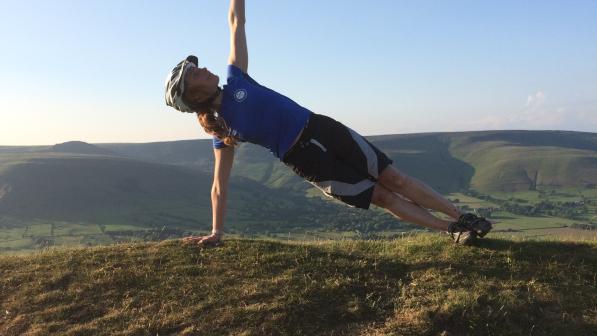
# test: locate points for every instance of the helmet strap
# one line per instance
(206, 103)
(211, 98)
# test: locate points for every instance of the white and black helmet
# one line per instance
(175, 84)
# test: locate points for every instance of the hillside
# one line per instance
(87, 194)
(419, 285)
(489, 161)
(72, 187)
(46, 193)
(497, 161)
(526, 160)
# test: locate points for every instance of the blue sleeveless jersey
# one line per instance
(259, 115)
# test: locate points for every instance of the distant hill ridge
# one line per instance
(80, 147)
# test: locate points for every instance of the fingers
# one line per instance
(202, 240)
(193, 239)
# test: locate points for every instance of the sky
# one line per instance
(94, 71)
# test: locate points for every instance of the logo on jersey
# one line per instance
(240, 95)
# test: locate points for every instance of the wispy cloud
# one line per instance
(535, 101)
(538, 113)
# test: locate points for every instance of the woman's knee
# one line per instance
(382, 197)
(393, 179)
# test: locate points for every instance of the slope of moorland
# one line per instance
(526, 160)
(418, 285)
(484, 160)
(111, 190)
(76, 187)
(184, 152)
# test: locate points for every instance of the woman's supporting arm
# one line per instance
(239, 55)
(219, 191)
(219, 194)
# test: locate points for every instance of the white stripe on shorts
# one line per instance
(343, 189)
(368, 151)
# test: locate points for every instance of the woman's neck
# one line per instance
(218, 101)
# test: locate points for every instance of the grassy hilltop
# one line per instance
(417, 285)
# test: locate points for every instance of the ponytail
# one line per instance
(211, 121)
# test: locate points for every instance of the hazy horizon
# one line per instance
(209, 138)
(94, 71)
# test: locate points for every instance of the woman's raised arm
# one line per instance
(239, 56)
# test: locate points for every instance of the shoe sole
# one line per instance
(464, 237)
(484, 229)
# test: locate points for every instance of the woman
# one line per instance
(326, 153)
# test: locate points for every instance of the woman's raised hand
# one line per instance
(239, 56)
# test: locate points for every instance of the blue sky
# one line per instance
(94, 70)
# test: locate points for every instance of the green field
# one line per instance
(18, 237)
(510, 224)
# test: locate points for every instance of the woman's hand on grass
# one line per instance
(212, 239)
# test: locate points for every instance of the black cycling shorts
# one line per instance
(337, 160)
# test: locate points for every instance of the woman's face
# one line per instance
(200, 84)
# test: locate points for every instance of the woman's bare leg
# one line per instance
(406, 210)
(417, 191)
